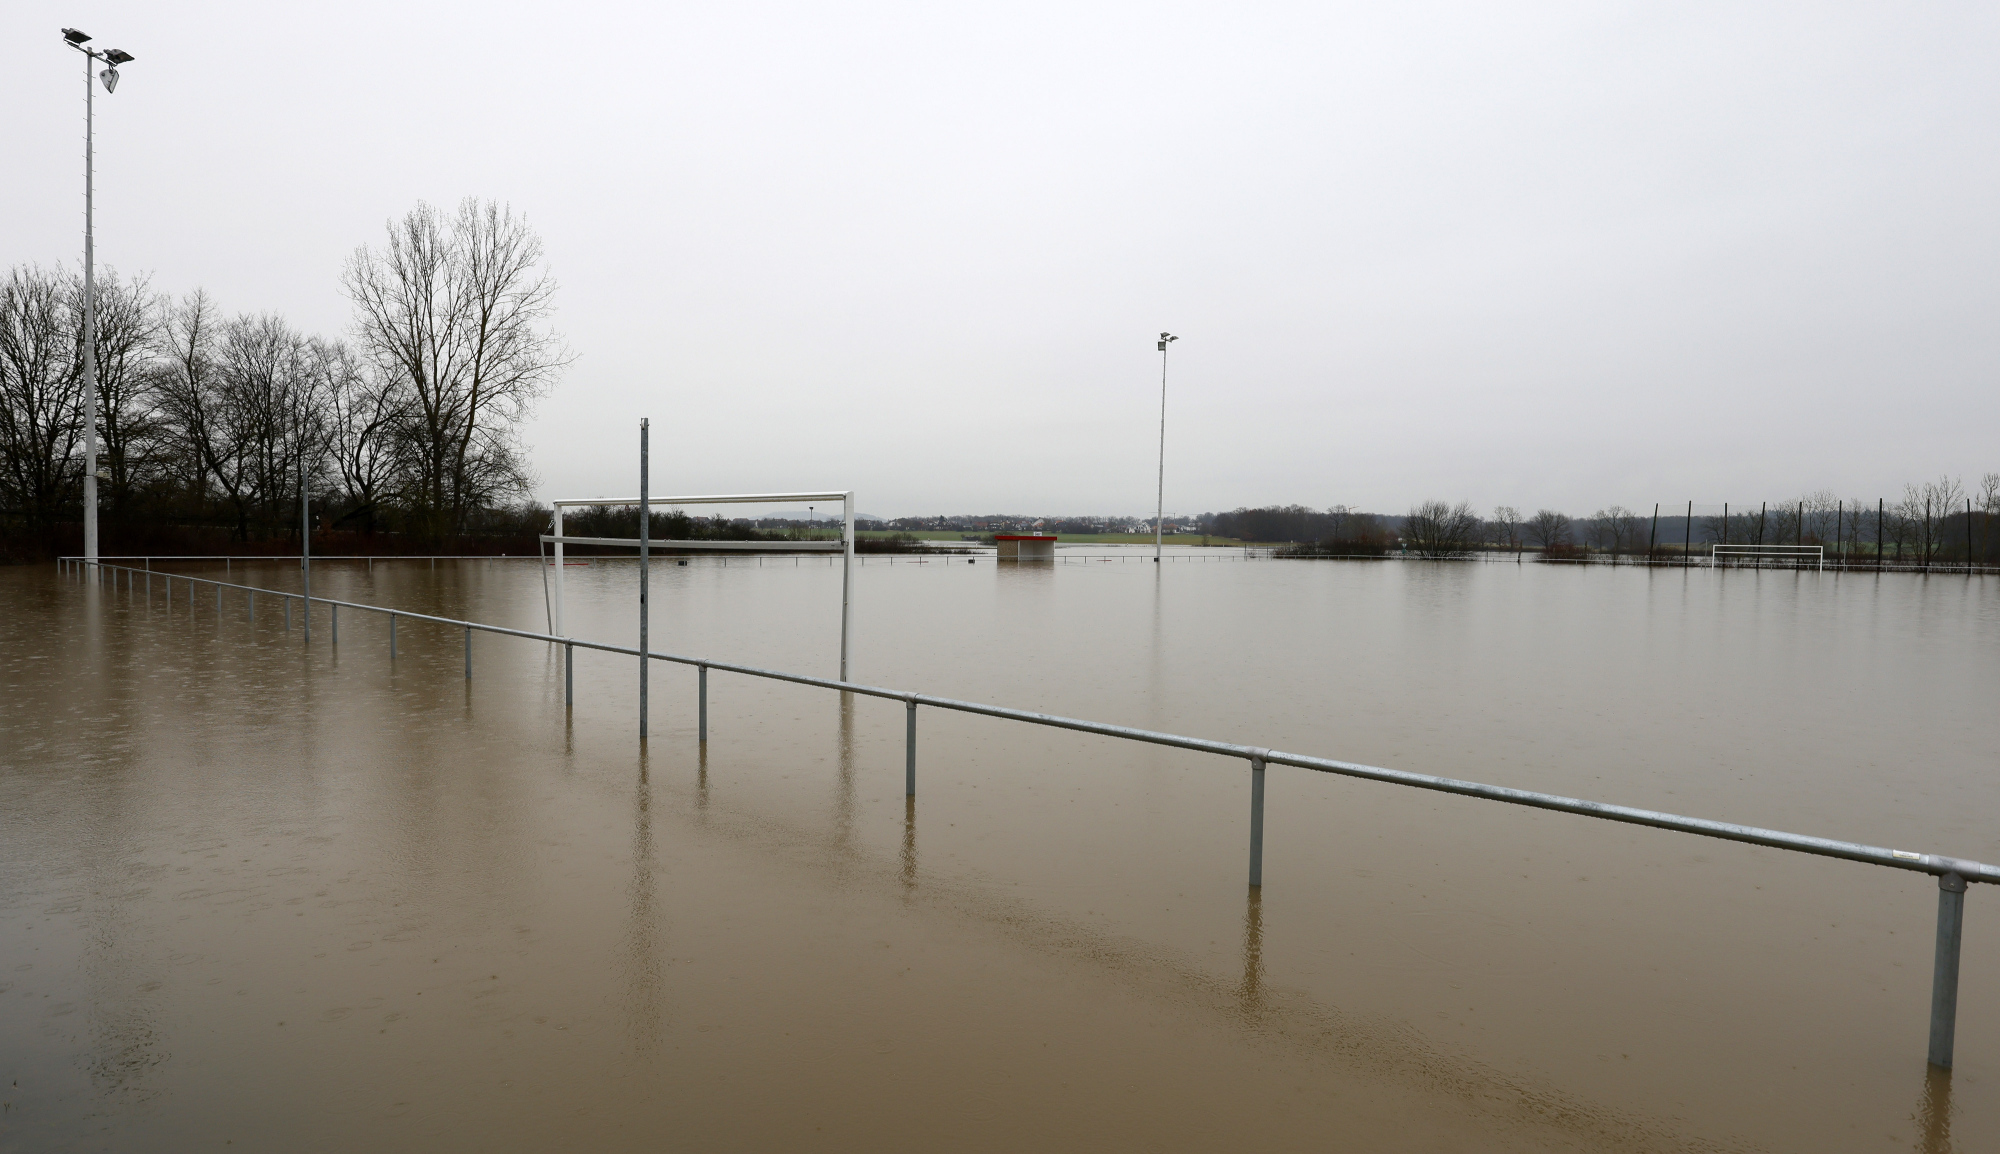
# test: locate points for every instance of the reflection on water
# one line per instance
(645, 947)
(255, 890)
(1251, 993)
(1934, 1113)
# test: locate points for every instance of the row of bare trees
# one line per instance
(1933, 522)
(411, 421)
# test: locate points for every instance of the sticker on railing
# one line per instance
(1906, 855)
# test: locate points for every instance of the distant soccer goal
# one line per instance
(1793, 556)
(844, 546)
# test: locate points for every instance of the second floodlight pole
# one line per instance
(1160, 497)
(645, 547)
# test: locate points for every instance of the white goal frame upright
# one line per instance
(1814, 553)
(844, 546)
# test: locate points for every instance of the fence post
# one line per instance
(910, 746)
(1257, 823)
(333, 615)
(569, 675)
(253, 606)
(701, 679)
(218, 602)
(1944, 973)
(288, 606)
(468, 653)
(392, 636)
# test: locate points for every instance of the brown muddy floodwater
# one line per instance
(260, 896)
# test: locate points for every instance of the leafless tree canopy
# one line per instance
(1438, 530)
(41, 389)
(1549, 529)
(1506, 528)
(451, 311)
(1924, 510)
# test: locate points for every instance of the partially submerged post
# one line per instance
(556, 612)
(645, 548)
(1944, 969)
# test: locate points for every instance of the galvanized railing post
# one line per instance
(1257, 822)
(569, 675)
(910, 747)
(1944, 973)
(701, 679)
(333, 623)
(468, 653)
(392, 636)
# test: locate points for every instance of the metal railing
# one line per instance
(1952, 873)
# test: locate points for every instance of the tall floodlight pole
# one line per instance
(109, 76)
(1160, 497)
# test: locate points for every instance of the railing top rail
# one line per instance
(1936, 864)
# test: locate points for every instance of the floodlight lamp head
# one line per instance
(119, 56)
(75, 37)
(110, 78)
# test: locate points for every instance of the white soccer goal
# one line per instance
(844, 546)
(1797, 554)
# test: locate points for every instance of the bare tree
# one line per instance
(1507, 527)
(1437, 530)
(128, 417)
(274, 399)
(454, 309)
(1615, 529)
(1818, 510)
(1597, 531)
(1549, 529)
(366, 408)
(1989, 506)
(41, 394)
(1925, 509)
(214, 435)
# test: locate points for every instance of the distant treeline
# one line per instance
(1937, 522)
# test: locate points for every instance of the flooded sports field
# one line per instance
(263, 895)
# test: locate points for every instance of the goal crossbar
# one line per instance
(844, 546)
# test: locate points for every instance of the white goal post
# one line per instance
(1816, 554)
(844, 546)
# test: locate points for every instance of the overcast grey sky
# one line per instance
(1548, 254)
